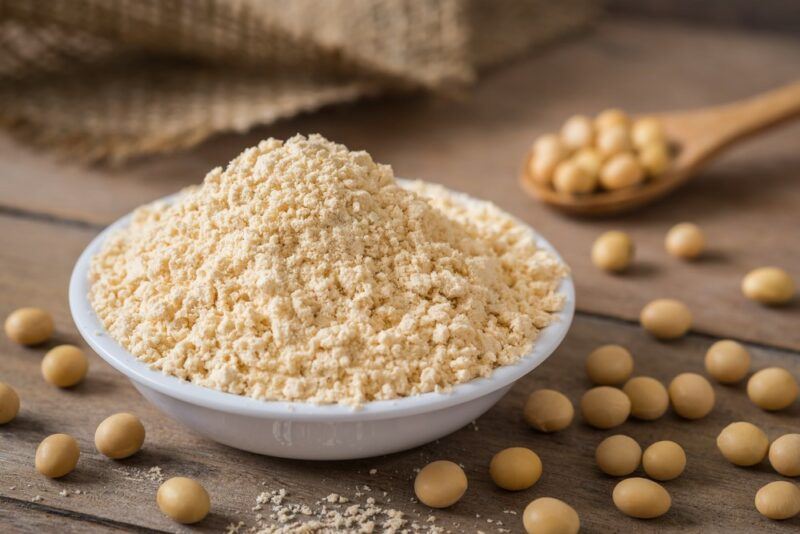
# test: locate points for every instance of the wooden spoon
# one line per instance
(697, 136)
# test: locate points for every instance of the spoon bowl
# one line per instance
(697, 136)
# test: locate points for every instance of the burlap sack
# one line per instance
(108, 79)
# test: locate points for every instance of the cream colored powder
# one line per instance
(275, 514)
(305, 272)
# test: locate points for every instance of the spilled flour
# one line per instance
(275, 513)
(305, 272)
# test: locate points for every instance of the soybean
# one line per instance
(9, 403)
(784, 455)
(577, 132)
(685, 240)
(57, 455)
(621, 170)
(605, 407)
(666, 318)
(641, 498)
(768, 285)
(440, 484)
(611, 118)
(773, 388)
(547, 515)
(649, 397)
(743, 443)
(548, 410)
(571, 178)
(119, 436)
(618, 455)
(664, 460)
(727, 361)
(183, 500)
(613, 251)
(515, 468)
(654, 159)
(64, 366)
(647, 131)
(609, 365)
(29, 326)
(778, 500)
(691, 395)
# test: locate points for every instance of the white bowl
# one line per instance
(303, 430)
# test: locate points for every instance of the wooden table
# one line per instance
(748, 203)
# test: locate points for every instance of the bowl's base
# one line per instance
(318, 440)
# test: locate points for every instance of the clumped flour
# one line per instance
(305, 272)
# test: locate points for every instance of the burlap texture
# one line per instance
(109, 79)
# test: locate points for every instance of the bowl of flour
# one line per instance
(305, 303)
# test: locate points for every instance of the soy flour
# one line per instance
(305, 272)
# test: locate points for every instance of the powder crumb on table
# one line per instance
(305, 272)
(140, 474)
(154, 474)
(331, 515)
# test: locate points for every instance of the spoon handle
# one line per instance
(752, 115)
(712, 129)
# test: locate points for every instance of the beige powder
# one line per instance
(275, 514)
(305, 272)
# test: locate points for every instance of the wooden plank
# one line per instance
(747, 203)
(23, 516)
(771, 15)
(712, 496)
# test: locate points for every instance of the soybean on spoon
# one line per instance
(696, 136)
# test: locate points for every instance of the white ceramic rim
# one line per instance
(118, 357)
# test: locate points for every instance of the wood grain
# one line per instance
(42, 518)
(712, 496)
(770, 15)
(747, 203)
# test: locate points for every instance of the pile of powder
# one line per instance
(306, 272)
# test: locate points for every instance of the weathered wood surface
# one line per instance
(37, 258)
(748, 205)
(772, 15)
